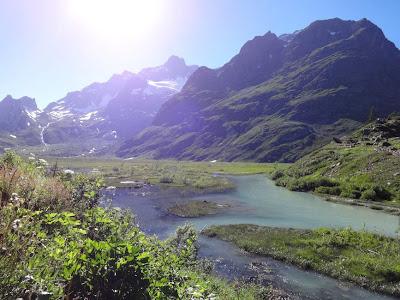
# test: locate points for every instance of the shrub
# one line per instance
(310, 184)
(50, 194)
(352, 191)
(9, 177)
(277, 174)
(376, 193)
(382, 193)
(99, 254)
(368, 194)
(85, 190)
(334, 190)
(166, 179)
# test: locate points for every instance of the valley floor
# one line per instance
(202, 177)
(340, 253)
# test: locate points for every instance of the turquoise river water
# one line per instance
(256, 200)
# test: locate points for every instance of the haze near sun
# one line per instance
(115, 19)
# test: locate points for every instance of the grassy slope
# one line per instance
(361, 171)
(367, 259)
(197, 175)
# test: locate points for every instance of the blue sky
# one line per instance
(48, 48)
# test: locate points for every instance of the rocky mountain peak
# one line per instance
(255, 63)
(174, 68)
(175, 62)
(23, 102)
(17, 115)
(322, 33)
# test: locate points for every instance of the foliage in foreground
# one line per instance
(367, 259)
(56, 242)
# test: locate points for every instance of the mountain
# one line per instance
(279, 97)
(19, 122)
(102, 114)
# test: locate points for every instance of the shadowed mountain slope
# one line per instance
(280, 97)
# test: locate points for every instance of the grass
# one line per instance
(359, 172)
(364, 258)
(363, 166)
(200, 176)
(196, 208)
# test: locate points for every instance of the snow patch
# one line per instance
(60, 114)
(166, 84)
(33, 114)
(88, 116)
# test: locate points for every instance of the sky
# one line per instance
(51, 47)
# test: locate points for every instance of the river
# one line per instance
(257, 200)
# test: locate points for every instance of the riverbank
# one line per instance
(392, 209)
(369, 260)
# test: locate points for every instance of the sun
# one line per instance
(116, 18)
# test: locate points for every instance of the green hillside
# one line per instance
(364, 165)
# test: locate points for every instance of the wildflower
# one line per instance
(15, 200)
(43, 161)
(16, 224)
(28, 277)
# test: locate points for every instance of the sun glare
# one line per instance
(116, 18)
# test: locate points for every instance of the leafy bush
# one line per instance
(376, 193)
(352, 191)
(368, 194)
(277, 174)
(166, 179)
(103, 254)
(329, 190)
(310, 184)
